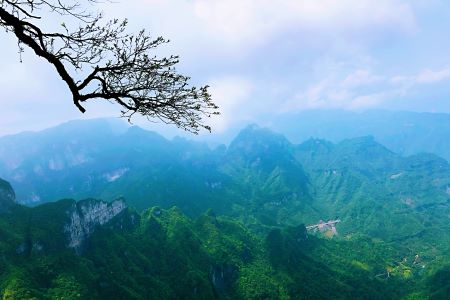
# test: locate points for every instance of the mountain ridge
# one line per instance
(261, 173)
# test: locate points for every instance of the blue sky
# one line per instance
(262, 56)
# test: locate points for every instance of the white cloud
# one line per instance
(232, 94)
(360, 77)
(248, 21)
(430, 76)
(424, 77)
(236, 26)
(341, 88)
(369, 100)
(34, 97)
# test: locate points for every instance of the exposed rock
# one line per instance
(116, 174)
(395, 176)
(85, 216)
(7, 196)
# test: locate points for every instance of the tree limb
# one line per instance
(123, 70)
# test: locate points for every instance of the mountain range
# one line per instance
(260, 170)
(403, 132)
(260, 191)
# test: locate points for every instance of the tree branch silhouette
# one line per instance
(120, 66)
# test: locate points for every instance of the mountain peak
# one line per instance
(366, 144)
(256, 134)
(254, 140)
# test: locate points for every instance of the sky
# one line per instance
(263, 57)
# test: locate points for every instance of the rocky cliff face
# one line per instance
(85, 216)
(7, 196)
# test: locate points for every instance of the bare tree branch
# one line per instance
(122, 68)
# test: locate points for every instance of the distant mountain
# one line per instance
(90, 159)
(268, 176)
(260, 176)
(406, 133)
(391, 241)
(376, 190)
(370, 188)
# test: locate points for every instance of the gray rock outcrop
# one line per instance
(85, 216)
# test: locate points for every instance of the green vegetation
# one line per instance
(167, 255)
(227, 223)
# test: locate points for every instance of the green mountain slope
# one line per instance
(392, 239)
(260, 177)
(360, 179)
(162, 254)
(65, 162)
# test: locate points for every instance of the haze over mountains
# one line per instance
(259, 192)
(405, 133)
(260, 170)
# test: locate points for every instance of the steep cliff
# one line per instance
(64, 225)
(85, 216)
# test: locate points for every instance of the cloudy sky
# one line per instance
(265, 56)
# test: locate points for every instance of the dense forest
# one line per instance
(162, 254)
(184, 221)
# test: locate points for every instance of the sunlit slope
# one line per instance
(376, 190)
(162, 254)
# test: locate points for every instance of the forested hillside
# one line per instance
(261, 172)
(162, 254)
(242, 225)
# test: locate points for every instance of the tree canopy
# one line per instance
(99, 59)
